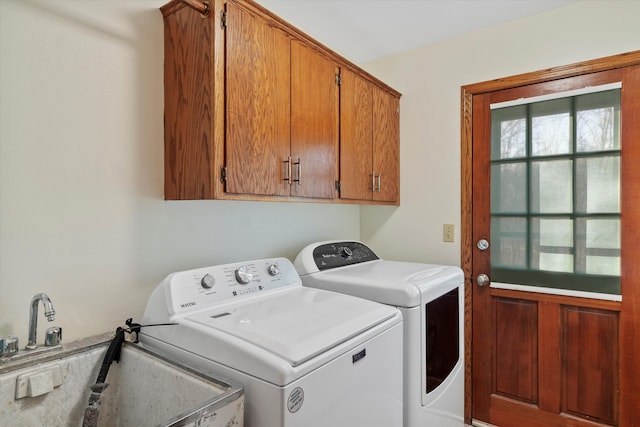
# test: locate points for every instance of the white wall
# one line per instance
(82, 215)
(430, 79)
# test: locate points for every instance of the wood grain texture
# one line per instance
(466, 243)
(258, 105)
(549, 360)
(630, 313)
(590, 364)
(314, 122)
(295, 33)
(506, 412)
(189, 155)
(516, 349)
(356, 137)
(483, 316)
(386, 145)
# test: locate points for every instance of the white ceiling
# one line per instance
(364, 30)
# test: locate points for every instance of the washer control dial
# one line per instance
(273, 270)
(207, 281)
(242, 275)
(346, 252)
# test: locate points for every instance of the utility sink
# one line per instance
(144, 390)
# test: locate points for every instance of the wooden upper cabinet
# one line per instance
(386, 146)
(190, 170)
(314, 123)
(370, 141)
(356, 137)
(254, 111)
(258, 123)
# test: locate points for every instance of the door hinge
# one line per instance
(338, 79)
(223, 20)
(223, 174)
(337, 185)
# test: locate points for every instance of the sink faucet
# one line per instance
(49, 312)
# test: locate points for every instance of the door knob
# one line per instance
(482, 280)
(482, 244)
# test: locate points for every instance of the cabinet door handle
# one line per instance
(299, 164)
(288, 170)
(375, 182)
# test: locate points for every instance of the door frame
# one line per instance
(630, 317)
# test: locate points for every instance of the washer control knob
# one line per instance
(346, 251)
(242, 275)
(273, 270)
(207, 281)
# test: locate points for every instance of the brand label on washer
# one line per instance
(359, 356)
(296, 397)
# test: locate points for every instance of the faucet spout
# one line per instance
(49, 312)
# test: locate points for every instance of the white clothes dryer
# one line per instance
(306, 357)
(431, 299)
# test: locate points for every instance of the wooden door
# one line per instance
(356, 133)
(257, 104)
(314, 123)
(386, 146)
(538, 358)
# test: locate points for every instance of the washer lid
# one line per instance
(299, 324)
(403, 284)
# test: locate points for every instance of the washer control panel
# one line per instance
(340, 254)
(192, 290)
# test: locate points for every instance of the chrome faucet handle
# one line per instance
(8, 346)
(53, 336)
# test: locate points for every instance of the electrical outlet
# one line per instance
(448, 233)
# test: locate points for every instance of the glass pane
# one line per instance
(598, 184)
(602, 245)
(552, 244)
(598, 121)
(609, 266)
(551, 128)
(556, 262)
(554, 232)
(509, 242)
(509, 133)
(551, 186)
(509, 188)
(603, 233)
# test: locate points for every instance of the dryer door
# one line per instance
(442, 337)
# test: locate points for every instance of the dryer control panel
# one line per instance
(339, 254)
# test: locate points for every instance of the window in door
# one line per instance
(555, 192)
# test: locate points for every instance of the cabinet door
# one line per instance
(386, 146)
(314, 123)
(356, 120)
(258, 100)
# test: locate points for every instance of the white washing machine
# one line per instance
(306, 357)
(431, 299)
